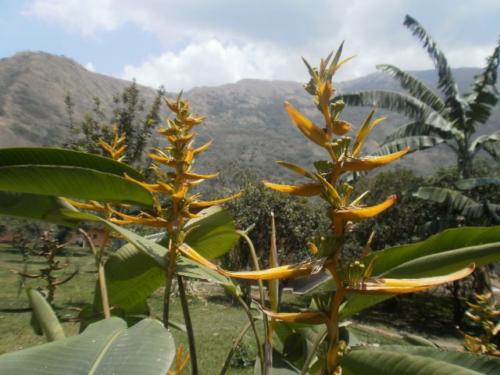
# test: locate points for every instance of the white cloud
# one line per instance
(218, 41)
(209, 63)
(89, 66)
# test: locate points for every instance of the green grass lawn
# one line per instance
(216, 322)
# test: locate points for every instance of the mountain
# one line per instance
(245, 119)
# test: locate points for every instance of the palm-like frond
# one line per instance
(415, 143)
(414, 86)
(456, 200)
(485, 94)
(417, 128)
(489, 143)
(391, 100)
(446, 82)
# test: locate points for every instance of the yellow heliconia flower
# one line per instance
(117, 149)
(367, 163)
(361, 213)
(204, 204)
(305, 190)
(181, 361)
(401, 286)
(306, 317)
(276, 273)
(306, 126)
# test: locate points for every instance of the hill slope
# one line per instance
(245, 119)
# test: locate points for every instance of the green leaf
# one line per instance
(415, 143)
(38, 207)
(18, 156)
(489, 143)
(212, 234)
(446, 83)
(106, 347)
(418, 128)
(485, 93)
(45, 316)
(414, 86)
(407, 360)
(454, 199)
(393, 101)
(76, 182)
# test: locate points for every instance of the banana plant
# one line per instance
(448, 117)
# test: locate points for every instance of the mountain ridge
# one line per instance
(245, 118)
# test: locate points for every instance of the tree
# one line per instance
(450, 118)
(128, 115)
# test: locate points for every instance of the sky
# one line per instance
(186, 43)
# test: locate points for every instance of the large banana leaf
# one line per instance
(44, 316)
(18, 156)
(489, 143)
(408, 360)
(414, 86)
(38, 207)
(485, 93)
(415, 143)
(391, 100)
(418, 128)
(104, 348)
(446, 83)
(454, 199)
(73, 182)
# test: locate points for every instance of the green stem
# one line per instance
(236, 343)
(101, 276)
(313, 352)
(260, 353)
(170, 258)
(268, 350)
(189, 326)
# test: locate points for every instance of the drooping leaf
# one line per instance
(485, 93)
(213, 233)
(106, 347)
(446, 82)
(489, 143)
(407, 360)
(414, 86)
(391, 100)
(45, 316)
(38, 207)
(76, 182)
(414, 143)
(418, 128)
(456, 200)
(18, 156)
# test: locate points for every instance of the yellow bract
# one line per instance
(361, 213)
(305, 190)
(400, 286)
(306, 126)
